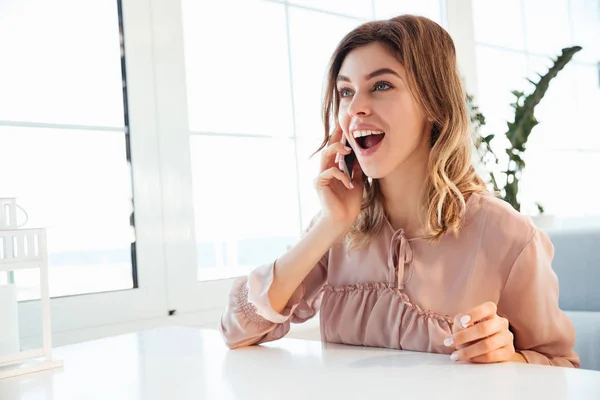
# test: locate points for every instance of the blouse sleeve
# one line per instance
(543, 333)
(249, 317)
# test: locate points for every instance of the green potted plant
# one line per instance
(517, 133)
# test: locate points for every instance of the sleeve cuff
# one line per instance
(258, 284)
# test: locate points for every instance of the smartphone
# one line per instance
(346, 163)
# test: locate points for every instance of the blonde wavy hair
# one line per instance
(428, 54)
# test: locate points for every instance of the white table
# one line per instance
(178, 363)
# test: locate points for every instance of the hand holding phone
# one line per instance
(340, 198)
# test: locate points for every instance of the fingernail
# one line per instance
(454, 356)
(347, 148)
(337, 158)
(464, 320)
(351, 185)
(449, 341)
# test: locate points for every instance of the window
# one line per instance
(564, 149)
(79, 141)
(242, 132)
(77, 184)
(65, 144)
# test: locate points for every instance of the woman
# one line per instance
(412, 252)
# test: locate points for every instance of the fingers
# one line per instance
(338, 156)
(488, 349)
(499, 355)
(481, 312)
(480, 335)
(328, 157)
(325, 178)
(338, 140)
(479, 331)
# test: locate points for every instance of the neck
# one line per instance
(403, 190)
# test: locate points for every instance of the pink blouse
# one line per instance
(403, 293)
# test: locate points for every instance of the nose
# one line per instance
(360, 106)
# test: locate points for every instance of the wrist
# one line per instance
(332, 231)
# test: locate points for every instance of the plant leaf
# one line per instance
(488, 138)
(524, 120)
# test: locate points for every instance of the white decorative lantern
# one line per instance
(22, 249)
(9, 319)
(8, 214)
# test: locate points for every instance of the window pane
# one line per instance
(561, 181)
(355, 8)
(547, 26)
(499, 23)
(246, 199)
(61, 62)
(586, 28)
(76, 184)
(237, 77)
(392, 8)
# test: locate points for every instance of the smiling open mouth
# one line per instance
(368, 139)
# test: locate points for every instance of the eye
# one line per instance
(344, 92)
(382, 86)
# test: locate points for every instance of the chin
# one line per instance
(375, 173)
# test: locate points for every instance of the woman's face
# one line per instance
(380, 118)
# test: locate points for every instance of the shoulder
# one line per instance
(503, 231)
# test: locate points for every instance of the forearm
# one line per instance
(293, 266)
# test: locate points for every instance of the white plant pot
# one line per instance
(9, 320)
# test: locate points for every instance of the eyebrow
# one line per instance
(381, 71)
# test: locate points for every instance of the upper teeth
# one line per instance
(366, 133)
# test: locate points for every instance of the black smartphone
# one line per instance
(349, 161)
